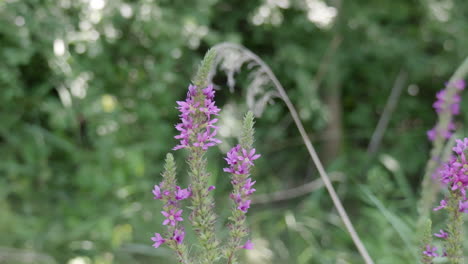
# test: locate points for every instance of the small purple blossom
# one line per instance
(248, 245)
(233, 155)
(158, 240)
(431, 252)
(182, 194)
(463, 207)
(461, 146)
(244, 206)
(459, 84)
(157, 192)
(172, 217)
(247, 188)
(431, 134)
(179, 236)
(249, 157)
(442, 205)
(212, 187)
(209, 92)
(441, 234)
(206, 140)
(237, 198)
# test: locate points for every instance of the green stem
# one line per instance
(454, 228)
(203, 217)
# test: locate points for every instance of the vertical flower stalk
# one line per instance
(240, 160)
(428, 251)
(197, 134)
(447, 106)
(454, 174)
(171, 195)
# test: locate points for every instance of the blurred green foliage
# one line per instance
(87, 108)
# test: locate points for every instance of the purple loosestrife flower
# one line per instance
(463, 207)
(441, 234)
(172, 217)
(158, 240)
(248, 245)
(171, 195)
(197, 125)
(459, 84)
(444, 103)
(179, 236)
(240, 160)
(442, 205)
(244, 205)
(157, 192)
(248, 157)
(182, 194)
(431, 252)
(454, 174)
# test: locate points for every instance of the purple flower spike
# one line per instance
(158, 240)
(172, 217)
(200, 109)
(446, 104)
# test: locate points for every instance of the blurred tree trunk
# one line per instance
(332, 93)
(333, 134)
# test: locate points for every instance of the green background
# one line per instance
(87, 108)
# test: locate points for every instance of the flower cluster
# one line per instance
(196, 133)
(442, 104)
(171, 195)
(453, 174)
(240, 160)
(197, 127)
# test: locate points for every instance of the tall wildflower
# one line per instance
(171, 195)
(447, 106)
(240, 160)
(197, 132)
(454, 174)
